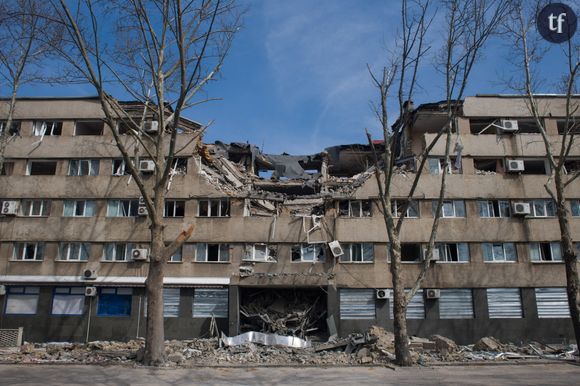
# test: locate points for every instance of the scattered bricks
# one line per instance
(487, 343)
(444, 345)
(176, 357)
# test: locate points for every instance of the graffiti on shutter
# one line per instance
(208, 302)
(357, 303)
(504, 303)
(456, 304)
(552, 303)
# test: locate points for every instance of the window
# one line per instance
(68, 301)
(22, 300)
(540, 166)
(83, 167)
(456, 304)
(488, 165)
(354, 208)
(552, 303)
(41, 168)
(436, 166)
(7, 168)
(114, 302)
(174, 208)
(179, 165)
(89, 127)
(14, 128)
(412, 209)
(499, 252)
(451, 208)
(571, 166)
(545, 251)
(214, 208)
(411, 253)
(543, 208)
(415, 308)
(119, 168)
(35, 208)
(572, 126)
(122, 208)
(42, 128)
(494, 208)
(125, 126)
(73, 251)
(358, 253)
(177, 257)
(260, 252)
(453, 252)
(504, 303)
(210, 302)
(118, 252)
(171, 297)
(79, 208)
(33, 251)
(357, 303)
(309, 252)
(575, 206)
(212, 253)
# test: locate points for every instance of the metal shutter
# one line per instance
(171, 302)
(357, 303)
(456, 304)
(208, 302)
(504, 303)
(415, 309)
(552, 303)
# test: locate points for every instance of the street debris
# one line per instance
(374, 347)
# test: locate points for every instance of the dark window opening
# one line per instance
(528, 126)
(42, 128)
(572, 166)
(535, 167)
(89, 128)
(7, 169)
(14, 128)
(174, 208)
(411, 252)
(482, 126)
(213, 252)
(125, 126)
(42, 168)
(488, 165)
(179, 165)
(573, 126)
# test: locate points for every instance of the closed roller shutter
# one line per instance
(357, 303)
(415, 309)
(171, 302)
(552, 303)
(504, 303)
(456, 304)
(208, 302)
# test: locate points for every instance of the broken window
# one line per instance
(68, 301)
(89, 128)
(177, 257)
(358, 253)
(118, 252)
(174, 208)
(552, 303)
(499, 252)
(83, 167)
(42, 128)
(212, 253)
(482, 126)
(456, 304)
(545, 251)
(41, 168)
(537, 166)
(73, 251)
(543, 208)
(14, 128)
(488, 165)
(122, 208)
(22, 300)
(436, 166)
(79, 208)
(453, 252)
(504, 303)
(35, 208)
(528, 126)
(124, 126)
(357, 303)
(210, 303)
(575, 207)
(572, 166)
(114, 302)
(570, 127)
(451, 208)
(309, 252)
(214, 207)
(412, 210)
(494, 208)
(415, 308)
(119, 168)
(411, 253)
(355, 208)
(260, 252)
(179, 165)
(32, 251)
(7, 168)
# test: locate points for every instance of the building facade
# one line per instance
(287, 232)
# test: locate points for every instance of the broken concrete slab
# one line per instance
(443, 344)
(487, 343)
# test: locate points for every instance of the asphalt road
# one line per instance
(551, 374)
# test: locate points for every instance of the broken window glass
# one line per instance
(174, 208)
(79, 208)
(7, 168)
(42, 128)
(412, 208)
(214, 208)
(41, 168)
(212, 253)
(89, 128)
(453, 252)
(451, 208)
(308, 252)
(354, 208)
(122, 208)
(543, 208)
(545, 251)
(119, 168)
(83, 167)
(410, 252)
(14, 128)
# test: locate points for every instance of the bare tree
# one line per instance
(162, 54)
(529, 49)
(21, 53)
(470, 23)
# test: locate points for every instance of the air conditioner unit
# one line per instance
(335, 248)
(2, 290)
(146, 166)
(383, 293)
(10, 208)
(90, 274)
(139, 254)
(521, 209)
(151, 127)
(436, 254)
(90, 291)
(142, 211)
(515, 165)
(432, 293)
(509, 125)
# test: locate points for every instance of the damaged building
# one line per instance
(287, 244)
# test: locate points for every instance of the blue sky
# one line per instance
(296, 78)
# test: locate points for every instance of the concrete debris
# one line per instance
(374, 347)
(265, 339)
(487, 344)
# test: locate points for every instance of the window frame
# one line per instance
(45, 161)
(490, 206)
(540, 252)
(75, 209)
(455, 204)
(76, 168)
(348, 252)
(492, 247)
(224, 205)
(445, 254)
(301, 250)
(413, 204)
(79, 295)
(363, 207)
(115, 247)
(44, 210)
(131, 205)
(39, 132)
(18, 293)
(116, 290)
(548, 206)
(20, 248)
(178, 205)
(82, 250)
(270, 253)
(575, 208)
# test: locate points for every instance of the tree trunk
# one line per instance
(155, 334)
(402, 353)
(572, 282)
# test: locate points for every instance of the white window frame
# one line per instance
(303, 250)
(174, 211)
(74, 252)
(92, 167)
(575, 208)
(490, 208)
(85, 213)
(498, 259)
(355, 208)
(122, 208)
(348, 248)
(269, 253)
(35, 208)
(536, 249)
(121, 169)
(544, 204)
(223, 253)
(395, 208)
(20, 248)
(177, 257)
(224, 210)
(445, 253)
(114, 247)
(454, 204)
(41, 128)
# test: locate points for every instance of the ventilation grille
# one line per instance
(11, 337)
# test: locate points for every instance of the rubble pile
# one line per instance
(375, 347)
